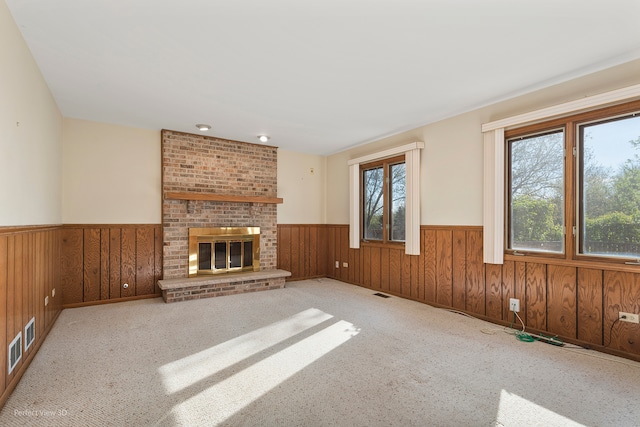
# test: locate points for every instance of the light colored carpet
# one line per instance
(318, 353)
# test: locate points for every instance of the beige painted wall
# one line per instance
(452, 161)
(30, 135)
(73, 171)
(111, 175)
(301, 188)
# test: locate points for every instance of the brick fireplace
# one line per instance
(210, 182)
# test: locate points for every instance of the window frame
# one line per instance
(386, 164)
(522, 133)
(572, 194)
(580, 215)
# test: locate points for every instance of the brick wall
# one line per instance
(198, 163)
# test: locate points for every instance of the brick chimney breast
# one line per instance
(195, 163)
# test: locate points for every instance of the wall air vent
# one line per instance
(29, 333)
(15, 351)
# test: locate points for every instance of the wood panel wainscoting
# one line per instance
(110, 263)
(579, 303)
(29, 273)
(302, 250)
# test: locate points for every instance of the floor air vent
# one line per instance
(15, 351)
(378, 294)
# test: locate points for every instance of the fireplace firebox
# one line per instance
(222, 250)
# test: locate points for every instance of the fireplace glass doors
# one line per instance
(223, 250)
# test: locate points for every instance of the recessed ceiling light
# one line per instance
(263, 138)
(203, 128)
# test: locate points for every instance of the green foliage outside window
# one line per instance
(609, 184)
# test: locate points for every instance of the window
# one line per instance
(409, 158)
(609, 209)
(536, 192)
(573, 186)
(383, 200)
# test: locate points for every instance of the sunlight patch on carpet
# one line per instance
(515, 410)
(224, 399)
(189, 370)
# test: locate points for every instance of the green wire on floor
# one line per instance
(526, 337)
(521, 335)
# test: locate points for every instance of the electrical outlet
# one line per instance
(514, 305)
(345, 264)
(337, 264)
(46, 300)
(629, 317)
(53, 292)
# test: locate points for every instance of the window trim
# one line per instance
(571, 124)
(493, 141)
(412, 202)
(386, 188)
(598, 101)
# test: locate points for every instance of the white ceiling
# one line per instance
(318, 76)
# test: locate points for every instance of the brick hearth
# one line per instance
(174, 290)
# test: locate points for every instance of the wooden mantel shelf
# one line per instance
(221, 197)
